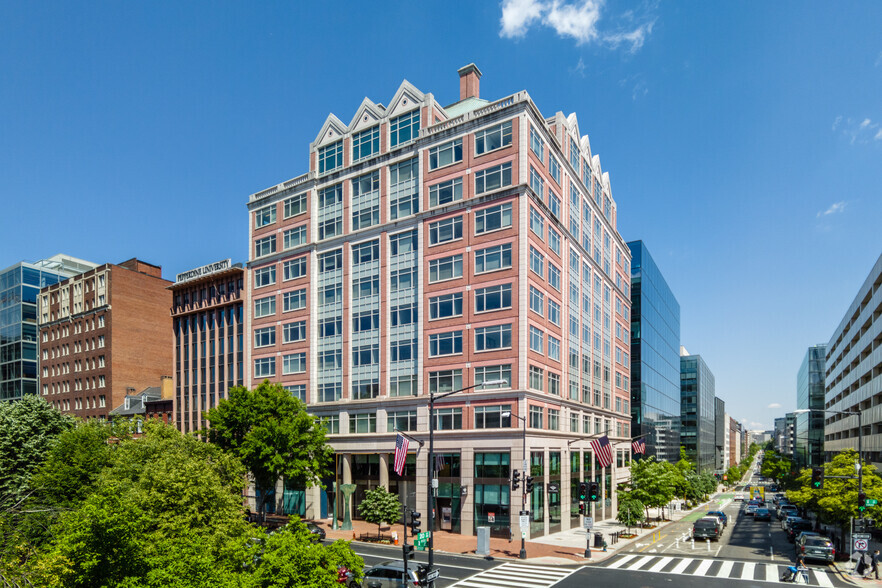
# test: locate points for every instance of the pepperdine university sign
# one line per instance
(205, 270)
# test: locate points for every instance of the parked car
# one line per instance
(787, 510)
(815, 547)
(739, 496)
(389, 575)
(787, 520)
(796, 526)
(720, 515)
(317, 531)
(707, 528)
(762, 514)
(802, 534)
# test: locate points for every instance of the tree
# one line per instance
(271, 433)
(631, 511)
(28, 429)
(380, 506)
(652, 483)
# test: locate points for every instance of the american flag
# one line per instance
(638, 446)
(400, 453)
(439, 463)
(602, 451)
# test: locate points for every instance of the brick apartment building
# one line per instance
(208, 339)
(104, 333)
(429, 249)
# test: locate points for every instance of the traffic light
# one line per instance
(583, 491)
(817, 478)
(515, 480)
(408, 551)
(528, 484)
(414, 523)
(593, 491)
(862, 501)
(581, 508)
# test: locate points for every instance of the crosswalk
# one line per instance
(714, 568)
(512, 575)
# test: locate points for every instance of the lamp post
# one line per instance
(431, 478)
(856, 413)
(523, 419)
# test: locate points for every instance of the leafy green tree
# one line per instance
(653, 483)
(631, 511)
(380, 506)
(271, 433)
(28, 429)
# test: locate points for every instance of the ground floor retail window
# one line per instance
(537, 497)
(492, 493)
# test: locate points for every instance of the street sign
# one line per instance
(433, 574)
(421, 540)
(872, 502)
(865, 536)
(554, 488)
(588, 523)
(525, 521)
(860, 544)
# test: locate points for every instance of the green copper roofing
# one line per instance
(464, 106)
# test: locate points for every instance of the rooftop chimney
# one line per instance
(469, 82)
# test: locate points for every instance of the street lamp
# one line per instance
(856, 413)
(431, 479)
(523, 419)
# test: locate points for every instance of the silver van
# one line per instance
(389, 574)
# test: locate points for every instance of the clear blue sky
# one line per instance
(743, 140)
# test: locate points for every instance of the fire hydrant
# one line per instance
(604, 545)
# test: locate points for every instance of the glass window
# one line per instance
(553, 384)
(265, 216)
(264, 276)
(292, 332)
(554, 240)
(265, 306)
(264, 367)
(493, 298)
(492, 178)
(265, 246)
(492, 218)
(367, 320)
(537, 223)
(294, 268)
(445, 381)
(403, 190)
(537, 338)
(330, 228)
(294, 300)
(553, 312)
(443, 231)
(403, 385)
(537, 146)
(295, 205)
(330, 327)
(490, 417)
(366, 286)
(404, 314)
(493, 258)
(445, 268)
(264, 337)
(403, 350)
(402, 243)
(445, 306)
(490, 373)
(294, 363)
(553, 347)
(553, 419)
(537, 183)
(537, 301)
(554, 168)
(449, 343)
(403, 279)
(536, 415)
(554, 276)
(448, 419)
(493, 138)
(366, 355)
(554, 204)
(445, 192)
(537, 262)
(401, 420)
(493, 337)
(366, 143)
(363, 423)
(331, 157)
(404, 128)
(445, 154)
(366, 252)
(294, 237)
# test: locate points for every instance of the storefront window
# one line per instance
(492, 499)
(537, 498)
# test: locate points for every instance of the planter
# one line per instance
(627, 535)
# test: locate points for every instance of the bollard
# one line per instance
(677, 545)
(708, 544)
(693, 543)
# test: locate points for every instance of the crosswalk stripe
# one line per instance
(702, 567)
(621, 562)
(661, 564)
(823, 578)
(682, 566)
(747, 571)
(641, 562)
(517, 576)
(724, 570)
(771, 573)
(534, 568)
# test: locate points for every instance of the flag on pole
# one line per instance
(401, 444)
(602, 451)
(638, 446)
(439, 463)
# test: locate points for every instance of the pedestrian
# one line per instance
(875, 563)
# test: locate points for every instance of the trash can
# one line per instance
(483, 541)
(598, 540)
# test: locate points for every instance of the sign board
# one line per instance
(491, 517)
(554, 488)
(588, 523)
(860, 536)
(433, 575)
(525, 521)
(860, 544)
(205, 270)
(872, 502)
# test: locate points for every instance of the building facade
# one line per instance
(809, 432)
(697, 411)
(209, 339)
(19, 342)
(734, 442)
(104, 334)
(655, 357)
(853, 382)
(428, 250)
(720, 430)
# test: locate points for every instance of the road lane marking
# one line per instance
(747, 571)
(823, 578)
(661, 564)
(724, 570)
(771, 573)
(621, 562)
(702, 567)
(678, 569)
(643, 560)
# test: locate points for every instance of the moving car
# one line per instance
(389, 574)
(720, 515)
(797, 525)
(707, 528)
(762, 514)
(750, 510)
(739, 496)
(787, 510)
(816, 547)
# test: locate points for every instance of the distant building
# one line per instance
(19, 289)
(162, 408)
(655, 357)
(779, 436)
(209, 340)
(104, 334)
(734, 442)
(809, 431)
(853, 379)
(697, 411)
(720, 429)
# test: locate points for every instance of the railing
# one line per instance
(283, 186)
(477, 113)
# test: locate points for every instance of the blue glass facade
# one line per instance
(655, 357)
(697, 409)
(808, 447)
(19, 288)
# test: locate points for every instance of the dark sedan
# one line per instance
(316, 530)
(762, 514)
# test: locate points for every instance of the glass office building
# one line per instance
(808, 447)
(19, 286)
(655, 357)
(697, 411)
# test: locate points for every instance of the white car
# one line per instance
(739, 496)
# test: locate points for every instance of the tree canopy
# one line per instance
(380, 506)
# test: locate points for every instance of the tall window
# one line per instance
(264, 276)
(404, 128)
(265, 216)
(536, 414)
(331, 157)
(493, 138)
(366, 143)
(537, 146)
(446, 154)
(492, 178)
(265, 246)
(403, 190)
(295, 205)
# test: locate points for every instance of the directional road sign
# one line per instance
(872, 502)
